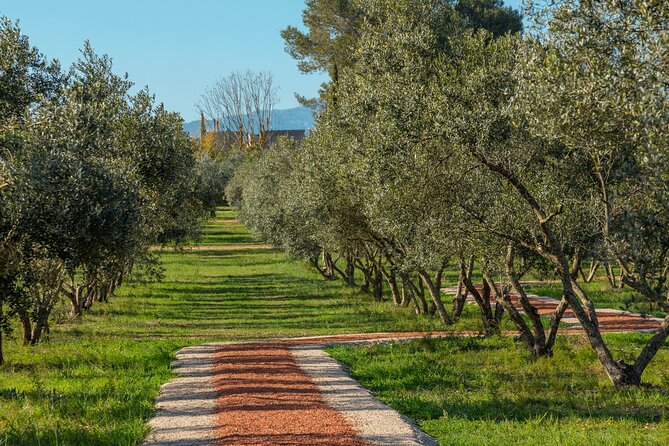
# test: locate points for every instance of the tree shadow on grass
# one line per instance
(526, 409)
(473, 388)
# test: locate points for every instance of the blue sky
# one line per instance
(175, 47)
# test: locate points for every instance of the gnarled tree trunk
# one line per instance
(490, 320)
(434, 288)
(377, 285)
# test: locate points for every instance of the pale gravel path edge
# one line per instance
(187, 408)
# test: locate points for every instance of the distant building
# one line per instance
(223, 139)
(273, 135)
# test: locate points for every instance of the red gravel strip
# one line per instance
(266, 399)
(216, 247)
(225, 222)
(229, 247)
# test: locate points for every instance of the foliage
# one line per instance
(26, 76)
(446, 137)
(214, 174)
(91, 178)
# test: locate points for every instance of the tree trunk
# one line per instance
(620, 373)
(328, 269)
(461, 295)
(434, 288)
(576, 265)
(407, 292)
(38, 329)
(538, 334)
(75, 295)
(350, 271)
(378, 285)
(651, 348)
(392, 283)
(77, 301)
(321, 270)
(499, 312)
(458, 306)
(503, 299)
(609, 275)
(89, 296)
(542, 343)
(26, 328)
(591, 272)
(394, 290)
(483, 301)
(366, 276)
(419, 297)
(103, 292)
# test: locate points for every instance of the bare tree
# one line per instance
(243, 104)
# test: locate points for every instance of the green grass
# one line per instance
(471, 391)
(94, 381)
(225, 213)
(228, 234)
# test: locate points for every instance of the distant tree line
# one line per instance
(91, 176)
(446, 138)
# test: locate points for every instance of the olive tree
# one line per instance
(26, 76)
(384, 105)
(596, 82)
(91, 178)
(27, 79)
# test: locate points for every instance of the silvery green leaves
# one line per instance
(539, 152)
(97, 176)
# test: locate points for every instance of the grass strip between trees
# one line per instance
(473, 391)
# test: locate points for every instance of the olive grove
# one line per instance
(449, 139)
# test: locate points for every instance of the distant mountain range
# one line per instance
(298, 118)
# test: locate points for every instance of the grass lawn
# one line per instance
(466, 391)
(94, 380)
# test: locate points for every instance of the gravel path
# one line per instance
(277, 393)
